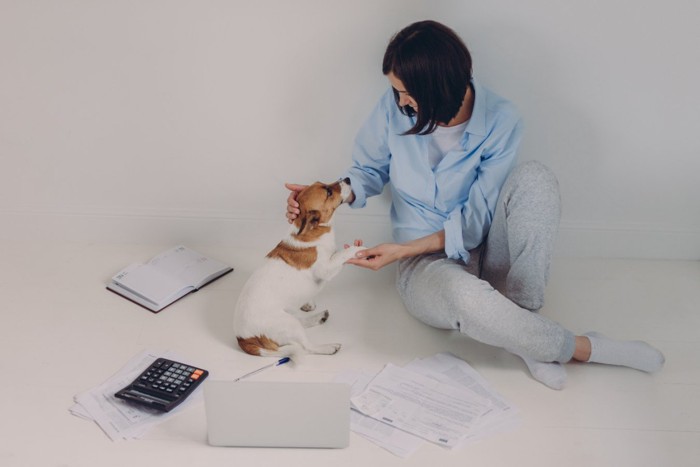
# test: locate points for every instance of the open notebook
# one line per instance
(166, 278)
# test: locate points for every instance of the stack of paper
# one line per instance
(441, 399)
(119, 419)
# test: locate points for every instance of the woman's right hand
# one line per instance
(292, 205)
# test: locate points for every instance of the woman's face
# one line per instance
(404, 97)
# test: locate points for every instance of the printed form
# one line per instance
(397, 442)
(400, 408)
(438, 412)
(117, 418)
(449, 369)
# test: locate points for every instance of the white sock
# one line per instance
(552, 375)
(634, 354)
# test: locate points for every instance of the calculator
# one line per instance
(163, 385)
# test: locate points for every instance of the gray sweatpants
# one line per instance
(495, 297)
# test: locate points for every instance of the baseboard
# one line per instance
(575, 239)
(175, 228)
(628, 241)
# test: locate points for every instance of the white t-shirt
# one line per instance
(443, 140)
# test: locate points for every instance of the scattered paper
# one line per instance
(438, 412)
(441, 399)
(119, 419)
(449, 369)
(397, 442)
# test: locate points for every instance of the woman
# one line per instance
(473, 233)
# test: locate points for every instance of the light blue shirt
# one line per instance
(459, 195)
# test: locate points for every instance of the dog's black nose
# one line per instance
(346, 180)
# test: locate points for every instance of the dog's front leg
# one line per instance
(336, 261)
(346, 253)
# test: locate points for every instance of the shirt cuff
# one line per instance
(454, 244)
(358, 190)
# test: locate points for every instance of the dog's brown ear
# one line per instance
(309, 220)
(302, 225)
(314, 217)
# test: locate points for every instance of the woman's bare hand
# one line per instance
(292, 205)
(377, 257)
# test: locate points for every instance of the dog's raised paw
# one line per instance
(324, 316)
(311, 306)
(350, 252)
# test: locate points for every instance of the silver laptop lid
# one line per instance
(313, 415)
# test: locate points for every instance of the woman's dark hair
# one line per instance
(435, 66)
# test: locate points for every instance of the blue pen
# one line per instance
(279, 362)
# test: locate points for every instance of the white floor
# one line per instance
(62, 333)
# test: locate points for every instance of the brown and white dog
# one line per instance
(277, 301)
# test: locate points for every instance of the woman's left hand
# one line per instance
(377, 257)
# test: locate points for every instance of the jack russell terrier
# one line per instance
(277, 301)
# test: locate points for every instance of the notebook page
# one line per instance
(150, 283)
(187, 266)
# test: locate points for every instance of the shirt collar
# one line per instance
(477, 122)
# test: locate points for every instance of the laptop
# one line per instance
(267, 414)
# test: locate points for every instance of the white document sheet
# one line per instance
(441, 413)
(392, 439)
(119, 419)
(450, 369)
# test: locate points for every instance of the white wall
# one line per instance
(610, 96)
(180, 120)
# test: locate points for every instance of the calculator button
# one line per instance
(170, 382)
